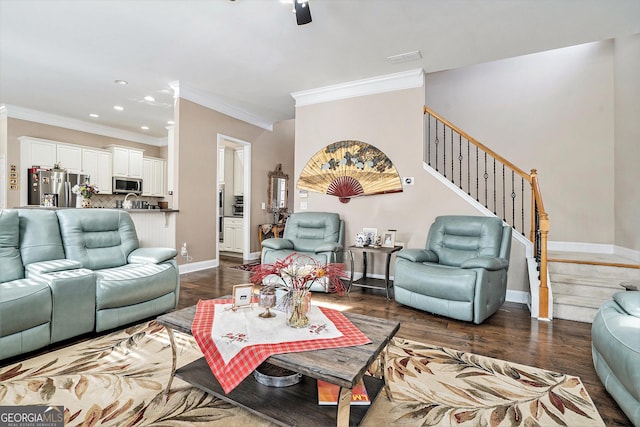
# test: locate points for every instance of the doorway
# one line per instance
(233, 196)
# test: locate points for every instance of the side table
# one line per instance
(366, 282)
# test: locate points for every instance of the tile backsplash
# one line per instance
(109, 200)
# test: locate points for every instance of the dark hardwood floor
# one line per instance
(510, 334)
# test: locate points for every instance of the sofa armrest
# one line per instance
(328, 247)
(277, 243)
(488, 263)
(151, 255)
(417, 255)
(52, 266)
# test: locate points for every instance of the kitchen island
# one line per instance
(153, 229)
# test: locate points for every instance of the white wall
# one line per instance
(551, 111)
(627, 145)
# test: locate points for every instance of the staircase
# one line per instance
(581, 282)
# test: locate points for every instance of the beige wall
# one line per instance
(197, 177)
(551, 111)
(627, 143)
(17, 128)
(392, 122)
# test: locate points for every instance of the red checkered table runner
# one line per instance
(249, 358)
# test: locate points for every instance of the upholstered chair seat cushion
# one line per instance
(133, 284)
(25, 316)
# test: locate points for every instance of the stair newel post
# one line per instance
(532, 236)
(544, 288)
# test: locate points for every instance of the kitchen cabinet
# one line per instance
(37, 152)
(98, 165)
(153, 176)
(221, 153)
(238, 172)
(127, 162)
(69, 157)
(233, 234)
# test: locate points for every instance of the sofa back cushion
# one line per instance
(455, 239)
(40, 238)
(98, 238)
(11, 267)
(307, 229)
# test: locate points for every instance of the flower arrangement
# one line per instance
(85, 190)
(298, 272)
(295, 274)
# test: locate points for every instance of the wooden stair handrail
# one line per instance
(537, 207)
(477, 143)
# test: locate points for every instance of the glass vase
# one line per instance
(298, 310)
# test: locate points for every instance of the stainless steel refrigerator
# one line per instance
(53, 188)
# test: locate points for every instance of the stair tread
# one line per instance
(574, 279)
(578, 300)
(590, 257)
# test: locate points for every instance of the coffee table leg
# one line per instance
(173, 361)
(344, 407)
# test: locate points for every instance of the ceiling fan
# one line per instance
(302, 11)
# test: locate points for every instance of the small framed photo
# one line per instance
(242, 296)
(389, 239)
(371, 235)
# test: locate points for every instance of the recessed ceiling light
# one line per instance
(171, 122)
(121, 82)
(149, 98)
(118, 107)
(144, 127)
(94, 115)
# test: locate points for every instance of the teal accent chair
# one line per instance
(319, 235)
(615, 346)
(462, 271)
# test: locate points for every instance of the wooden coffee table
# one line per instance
(296, 404)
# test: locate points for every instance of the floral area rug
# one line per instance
(119, 380)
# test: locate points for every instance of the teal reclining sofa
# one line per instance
(615, 346)
(68, 272)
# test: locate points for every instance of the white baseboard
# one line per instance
(197, 266)
(595, 248)
(520, 297)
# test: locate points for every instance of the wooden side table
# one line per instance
(266, 231)
(365, 282)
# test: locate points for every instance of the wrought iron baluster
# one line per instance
(486, 185)
(452, 159)
(468, 169)
(437, 143)
(460, 157)
(494, 187)
(477, 176)
(444, 150)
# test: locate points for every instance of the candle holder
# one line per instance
(267, 299)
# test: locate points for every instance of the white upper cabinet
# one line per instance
(39, 153)
(127, 162)
(69, 157)
(153, 177)
(98, 165)
(238, 172)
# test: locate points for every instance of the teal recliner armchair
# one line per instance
(615, 345)
(461, 273)
(319, 235)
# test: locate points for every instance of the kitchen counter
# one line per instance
(118, 209)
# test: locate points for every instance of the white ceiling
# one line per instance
(247, 56)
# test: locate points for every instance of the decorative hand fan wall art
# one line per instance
(349, 169)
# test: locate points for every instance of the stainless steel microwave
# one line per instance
(123, 185)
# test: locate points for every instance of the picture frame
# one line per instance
(389, 239)
(371, 235)
(242, 296)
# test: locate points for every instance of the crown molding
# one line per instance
(387, 83)
(22, 113)
(185, 91)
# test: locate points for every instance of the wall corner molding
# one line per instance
(200, 97)
(380, 84)
(22, 113)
